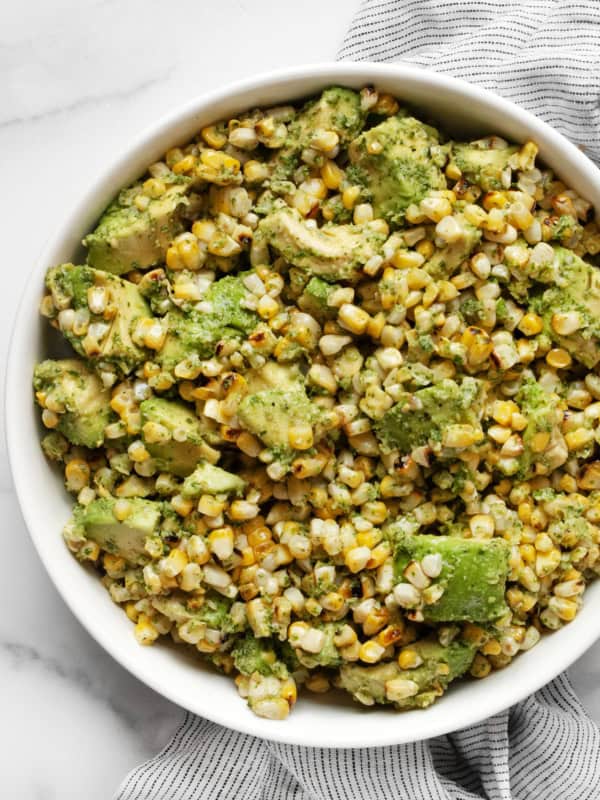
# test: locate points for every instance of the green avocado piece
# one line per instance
(313, 299)
(271, 414)
(252, 655)
(543, 416)
(126, 538)
(69, 285)
(473, 574)
(179, 455)
(441, 665)
(274, 376)
(82, 394)
(127, 238)
(446, 260)
(397, 163)
(196, 333)
(422, 417)
(332, 252)
(208, 479)
(576, 288)
(481, 164)
(214, 613)
(337, 109)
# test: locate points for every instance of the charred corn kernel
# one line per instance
(350, 197)
(581, 437)
(353, 318)
(332, 175)
(558, 358)
(371, 652)
(220, 542)
(182, 505)
(478, 344)
(145, 632)
(409, 659)
(399, 689)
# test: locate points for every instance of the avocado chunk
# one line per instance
(427, 415)
(313, 299)
(69, 286)
(337, 109)
(83, 396)
(577, 288)
(252, 655)
(274, 376)
(186, 447)
(332, 252)
(196, 334)
(473, 574)
(446, 260)
(208, 479)
(270, 415)
(127, 238)
(544, 446)
(125, 538)
(397, 163)
(441, 665)
(482, 164)
(214, 613)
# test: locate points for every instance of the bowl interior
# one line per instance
(330, 720)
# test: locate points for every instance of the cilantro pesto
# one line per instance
(331, 413)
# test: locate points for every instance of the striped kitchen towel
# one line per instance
(543, 54)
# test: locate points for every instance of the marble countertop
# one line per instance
(78, 79)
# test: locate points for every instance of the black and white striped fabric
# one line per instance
(543, 54)
(545, 748)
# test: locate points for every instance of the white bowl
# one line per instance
(324, 721)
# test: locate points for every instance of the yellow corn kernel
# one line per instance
(540, 441)
(241, 510)
(491, 648)
(530, 324)
(300, 436)
(409, 659)
(77, 474)
(357, 558)
(214, 137)
(132, 612)
(558, 358)
(218, 160)
(353, 319)
(220, 542)
(581, 437)
(371, 652)
(174, 563)
(503, 410)
(332, 175)
(182, 505)
(425, 248)
(350, 197)
(399, 689)
(481, 667)
(112, 563)
(145, 632)
(255, 171)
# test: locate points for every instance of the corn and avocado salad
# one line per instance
(332, 409)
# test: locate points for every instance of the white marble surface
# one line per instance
(77, 79)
